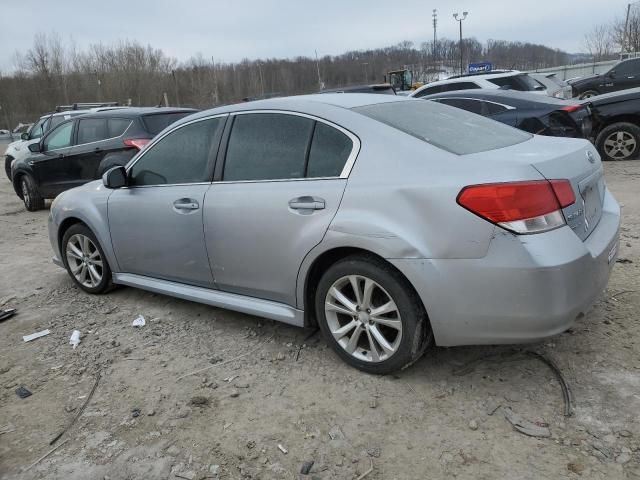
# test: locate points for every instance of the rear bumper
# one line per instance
(525, 289)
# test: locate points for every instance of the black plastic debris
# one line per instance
(22, 392)
(7, 313)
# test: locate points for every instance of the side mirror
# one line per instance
(115, 177)
(35, 147)
(24, 136)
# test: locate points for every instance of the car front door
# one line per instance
(622, 76)
(273, 199)
(51, 167)
(156, 221)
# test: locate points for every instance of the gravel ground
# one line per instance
(437, 419)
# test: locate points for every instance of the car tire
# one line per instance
(7, 166)
(30, 195)
(385, 343)
(110, 161)
(588, 94)
(84, 260)
(619, 141)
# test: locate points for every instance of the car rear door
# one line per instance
(95, 138)
(274, 197)
(156, 222)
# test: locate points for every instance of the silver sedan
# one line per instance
(390, 223)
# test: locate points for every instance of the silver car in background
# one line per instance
(391, 223)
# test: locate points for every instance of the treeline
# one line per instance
(52, 73)
(605, 41)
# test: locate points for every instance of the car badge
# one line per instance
(591, 157)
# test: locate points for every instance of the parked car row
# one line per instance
(69, 149)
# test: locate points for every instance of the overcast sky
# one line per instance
(233, 30)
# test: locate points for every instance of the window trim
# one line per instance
(508, 107)
(158, 138)
(344, 174)
(77, 134)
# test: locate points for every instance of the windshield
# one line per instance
(38, 129)
(451, 129)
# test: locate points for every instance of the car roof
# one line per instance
(501, 96)
(302, 103)
(133, 112)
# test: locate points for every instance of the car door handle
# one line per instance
(186, 204)
(307, 203)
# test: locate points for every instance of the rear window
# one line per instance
(157, 122)
(451, 129)
(522, 83)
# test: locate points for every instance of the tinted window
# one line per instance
(92, 130)
(447, 128)
(522, 83)
(450, 87)
(57, 120)
(473, 106)
(630, 67)
(494, 108)
(117, 126)
(329, 152)
(38, 129)
(157, 122)
(267, 146)
(59, 138)
(180, 157)
(428, 91)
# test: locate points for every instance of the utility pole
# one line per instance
(261, 80)
(320, 84)
(366, 77)
(175, 84)
(459, 20)
(435, 27)
(625, 35)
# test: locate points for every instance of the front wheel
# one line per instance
(371, 316)
(587, 94)
(85, 261)
(619, 141)
(30, 195)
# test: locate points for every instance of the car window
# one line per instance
(38, 129)
(57, 120)
(468, 104)
(267, 146)
(117, 126)
(428, 91)
(182, 156)
(450, 87)
(92, 130)
(450, 129)
(330, 149)
(59, 138)
(494, 108)
(521, 83)
(628, 68)
(157, 122)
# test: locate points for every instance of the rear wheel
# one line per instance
(588, 94)
(30, 195)
(85, 260)
(619, 141)
(371, 316)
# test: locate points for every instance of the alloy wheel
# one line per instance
(84, 260)
(363, 318)
(25, 193)
(620, 145)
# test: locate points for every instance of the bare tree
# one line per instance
(599, 42)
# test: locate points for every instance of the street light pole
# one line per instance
(459, 20)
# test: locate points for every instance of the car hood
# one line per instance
(578, 81)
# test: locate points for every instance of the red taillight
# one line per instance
(138, 143)
(523, 207)
(571, 108)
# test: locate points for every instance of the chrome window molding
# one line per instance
(508, 107)
(104, 139)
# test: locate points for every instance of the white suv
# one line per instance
(497, 79)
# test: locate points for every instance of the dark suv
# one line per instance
(621, 76)
(83, 148)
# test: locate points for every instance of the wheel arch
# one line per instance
(622, 118)
(16, 182)
(322, 262)
(65, 225)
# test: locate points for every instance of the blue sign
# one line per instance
(480, 67)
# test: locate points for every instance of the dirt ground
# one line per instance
(434, 420)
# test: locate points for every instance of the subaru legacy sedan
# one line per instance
(391, 223)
